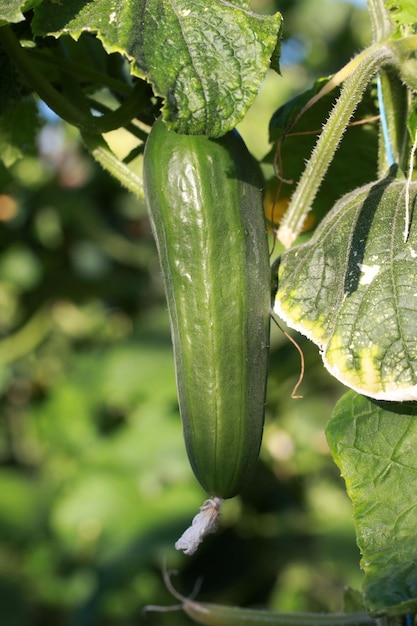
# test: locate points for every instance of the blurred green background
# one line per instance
(95, 486)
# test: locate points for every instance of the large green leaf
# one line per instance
(352, 290)
(206, 58)
(374, 446)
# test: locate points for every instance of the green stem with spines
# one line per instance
(395, 103)
(394, 98)
(382, 27)
(132, 128)
(124, 114)
(220, 615)
(372, 59)
(110, 162)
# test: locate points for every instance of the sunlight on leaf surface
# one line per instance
(206, 58)
(351, 290)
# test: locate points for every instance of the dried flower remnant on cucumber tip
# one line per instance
(203, 524)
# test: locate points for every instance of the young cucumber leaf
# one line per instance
(352, 290)
(374, 446)
(206, 58)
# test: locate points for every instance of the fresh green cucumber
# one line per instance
(205, 205)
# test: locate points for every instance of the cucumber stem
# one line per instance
(382, 27)
(76, 115)
(333, 82)
(394, 99)
(124, 114)
(392, 95)
(132, 128)
(389, 155)
(110, 162)
(373, 59)
(220, 615)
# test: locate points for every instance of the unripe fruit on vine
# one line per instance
(205, 206)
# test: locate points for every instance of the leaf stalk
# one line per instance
(102, 153)
(375, 57)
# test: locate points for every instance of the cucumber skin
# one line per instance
(205, 206)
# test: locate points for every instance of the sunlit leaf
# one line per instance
(206, 58)
(351, 289)
(374, 446)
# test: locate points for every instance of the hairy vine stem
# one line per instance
(375, 57)
(110, 162)
(217, 615)
(392, 94)
(382, 27)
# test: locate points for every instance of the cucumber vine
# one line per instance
(348, 283)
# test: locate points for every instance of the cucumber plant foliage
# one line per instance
(349, 284)
(351, 289)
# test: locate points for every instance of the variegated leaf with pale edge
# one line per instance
(352, 289)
